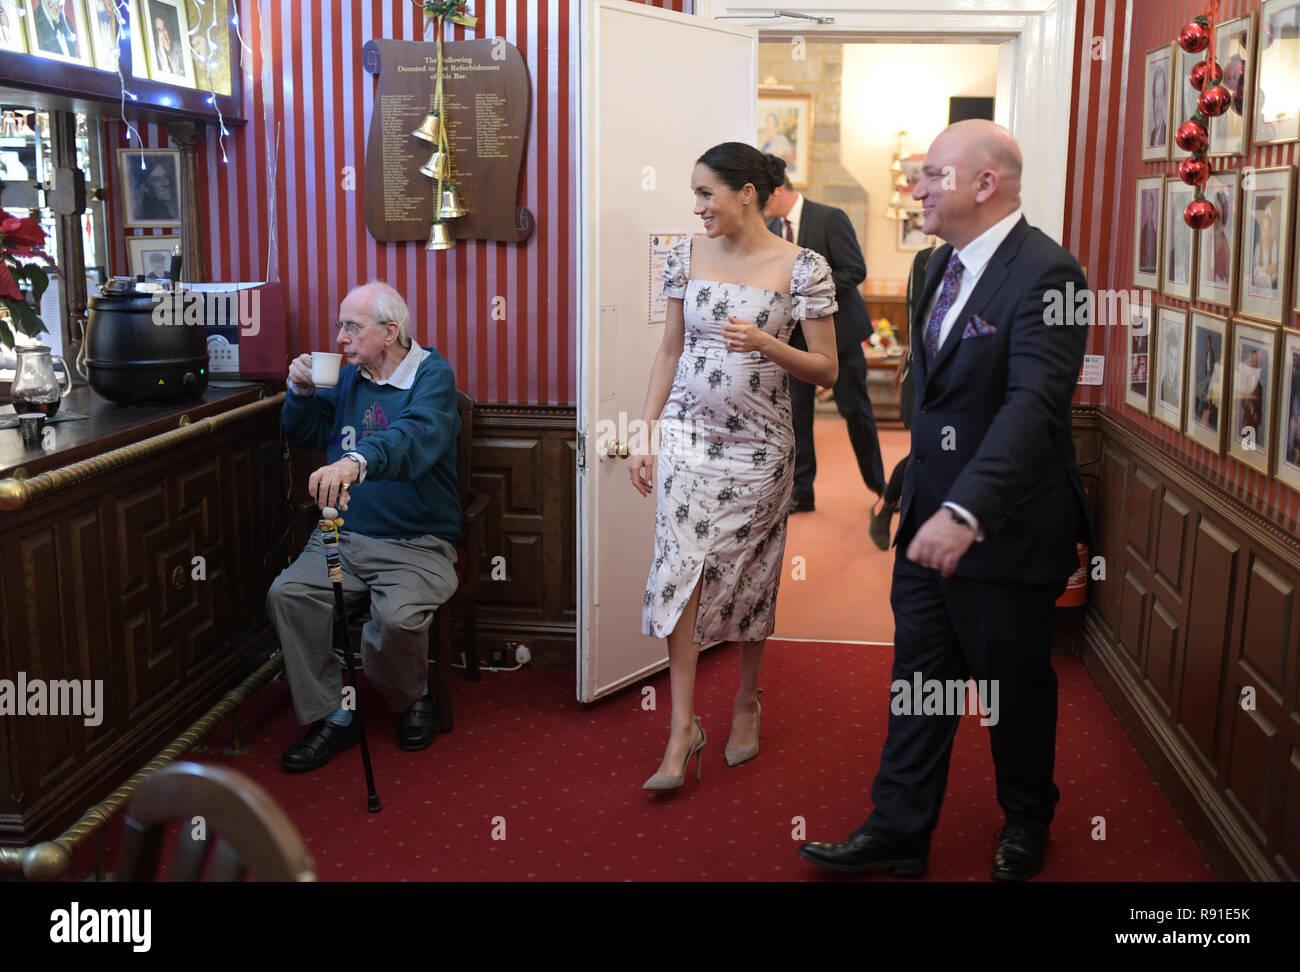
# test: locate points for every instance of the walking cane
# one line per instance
(329, 530)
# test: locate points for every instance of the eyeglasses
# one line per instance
(353, 328)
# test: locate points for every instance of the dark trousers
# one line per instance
(853, 403)
(955, 629)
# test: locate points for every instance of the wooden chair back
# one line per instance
(241, 830)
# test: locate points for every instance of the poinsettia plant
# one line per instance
(20, 243)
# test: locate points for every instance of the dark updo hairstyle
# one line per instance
(737, 164)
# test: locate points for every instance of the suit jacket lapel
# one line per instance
(801, 238)
(934, 272)
(994, 274)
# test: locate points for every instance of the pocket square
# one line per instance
(977, 327)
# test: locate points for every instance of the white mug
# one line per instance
(325, 368)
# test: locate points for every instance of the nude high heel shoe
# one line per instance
(662, 781)
(734, 755)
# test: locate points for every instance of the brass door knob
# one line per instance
(617, 450)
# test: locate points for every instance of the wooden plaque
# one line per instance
(487, 98)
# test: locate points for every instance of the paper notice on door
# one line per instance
(1093, 367)
(660, 244)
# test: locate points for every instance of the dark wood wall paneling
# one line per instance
(97, 585)
(1198, 605)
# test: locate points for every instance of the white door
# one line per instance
(657, 89)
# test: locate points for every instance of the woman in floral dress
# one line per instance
(720, 384)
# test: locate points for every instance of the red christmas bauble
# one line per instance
(1194, 172)
(1194, 38)
(1204, 70)
(1191, 136)
(1215, 100)
(1200, 213)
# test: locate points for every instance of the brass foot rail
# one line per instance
(49, 861)
(17, 492)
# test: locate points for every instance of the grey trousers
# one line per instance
(406, 580)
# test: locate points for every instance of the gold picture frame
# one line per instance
(1277, 97)
(1207, 380)
(1148, 230)
(1250, 405)
(1157, 119)
(1168, 382)
(1216, 271)
(1267, 231)
(785, 127)
(1178, 243)
(1234, 51)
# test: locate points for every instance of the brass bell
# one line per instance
(436, 167)
(451, 207)
(440, 237)
(428, 129)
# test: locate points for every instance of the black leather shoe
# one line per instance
(418, 725)
(865, 852)
(1020, 852)
(880, 524)
(800, 506)
(322, 741)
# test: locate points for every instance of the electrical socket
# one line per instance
(522, 655)
(500, 653)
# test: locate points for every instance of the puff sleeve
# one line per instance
(677, 269)
(814, 287)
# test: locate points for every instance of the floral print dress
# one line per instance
(726, 456)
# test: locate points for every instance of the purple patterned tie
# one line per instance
(951, 281)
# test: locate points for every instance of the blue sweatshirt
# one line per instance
(408, 437)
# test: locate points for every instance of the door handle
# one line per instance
(617, 450)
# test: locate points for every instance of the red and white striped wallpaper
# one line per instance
(1104, 162)
(313, 88)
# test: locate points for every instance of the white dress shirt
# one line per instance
(974, 257)
(793, 217)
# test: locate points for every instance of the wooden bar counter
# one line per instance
(101, 580)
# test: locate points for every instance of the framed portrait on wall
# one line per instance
(1277, 93)
(1234, 47)
(151, 186)
(785, 130)
(911, 237)
(1171, 356)
(150, 255)
(56, 30)
(1137, 356)
(101, 17)
(1267, 206)
(1250, 436)
(1156, 112)
(166, 34)
(12, 35)
(1205, 386)
(1185, 104)
(1216, 275)
(1148, 213)
(1178, 258)
(1288, 412)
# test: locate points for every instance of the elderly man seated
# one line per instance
(388, 430)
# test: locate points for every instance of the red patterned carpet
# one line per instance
(565, 781)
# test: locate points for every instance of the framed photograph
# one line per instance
(1295, 275)
(12, 35)
(1250, 438)
(912, 168)
(1156, 111)
(165, 33)
(1267, 204)
(1288, 412)
(150, 255)
(1277, 95)
(1171, 357)
(102, 23)
(151, 184)
(1205, 387)
(1148, 218)
(1234, 47)
(1216, 275)
(1185, 105)
(56, 30)
(1179, 256)
(785, 129)
(1137, 355)
(139, 65)
(911, 238)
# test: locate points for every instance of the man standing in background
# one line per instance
(828, 231)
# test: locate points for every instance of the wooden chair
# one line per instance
(245, 831)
